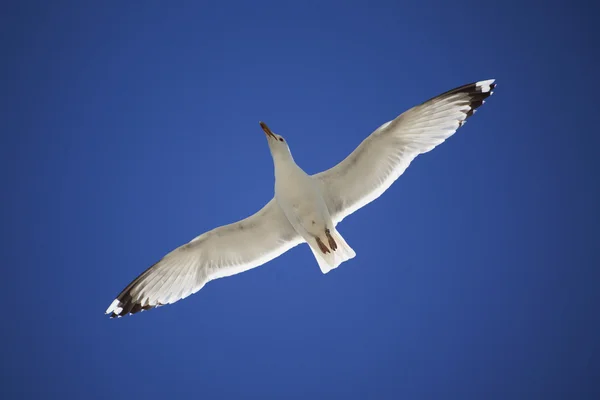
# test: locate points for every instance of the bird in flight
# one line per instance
(305, 208)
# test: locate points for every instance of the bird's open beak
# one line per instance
(267, 130)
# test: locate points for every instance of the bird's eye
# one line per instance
(281, 139)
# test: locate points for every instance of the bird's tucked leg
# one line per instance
(332, 243)
(322, 246)
(330, 257)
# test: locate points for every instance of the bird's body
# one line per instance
(305, 208)
(300, 197)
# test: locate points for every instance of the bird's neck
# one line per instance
(284, 163)
(282, 157)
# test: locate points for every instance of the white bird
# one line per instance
(305, 208)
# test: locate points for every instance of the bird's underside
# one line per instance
(353, 183)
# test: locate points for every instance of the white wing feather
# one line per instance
(224, 251)
(384, 155)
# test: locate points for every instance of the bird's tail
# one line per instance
(331, 251)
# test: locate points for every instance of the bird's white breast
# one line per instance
(301, 201)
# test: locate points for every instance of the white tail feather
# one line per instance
(333, 259)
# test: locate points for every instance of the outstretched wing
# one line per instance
(384, 155)
(224, 251)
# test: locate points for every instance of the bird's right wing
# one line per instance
(385, 154)
(224, 251)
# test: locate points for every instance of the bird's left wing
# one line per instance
(224, 251)
(384, 155)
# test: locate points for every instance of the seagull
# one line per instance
(305, 208)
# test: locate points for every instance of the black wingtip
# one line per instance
(477, 92)
(127, 305)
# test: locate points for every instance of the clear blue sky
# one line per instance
(128, 128)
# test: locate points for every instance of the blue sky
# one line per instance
(128, 128)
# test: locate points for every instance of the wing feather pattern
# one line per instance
(385, 154)
(221, 252)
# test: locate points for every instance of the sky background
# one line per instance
(128, 128)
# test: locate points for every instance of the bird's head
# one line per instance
(277, 143)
